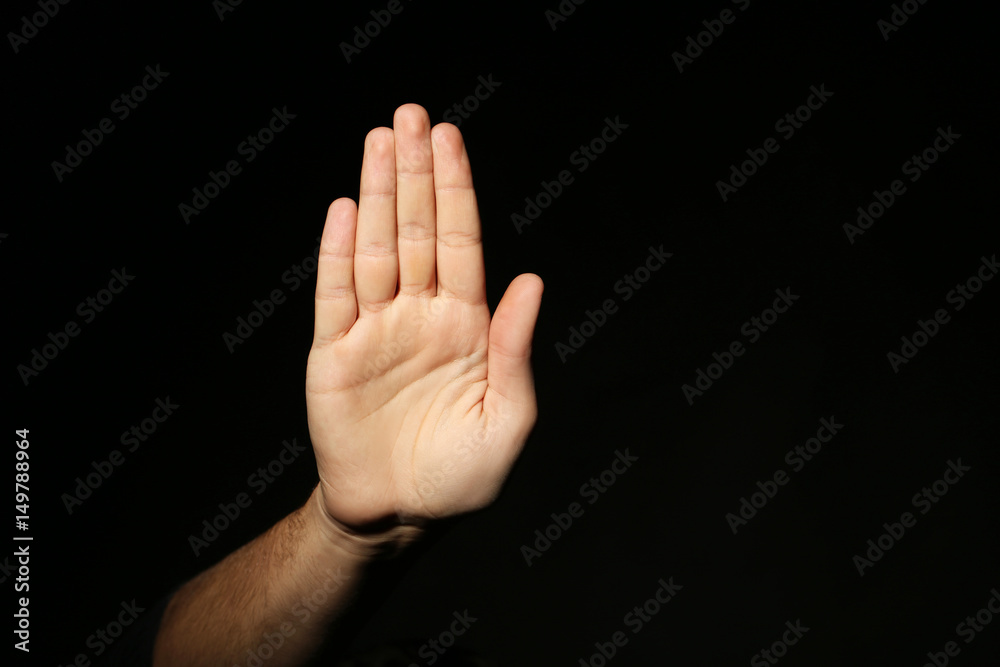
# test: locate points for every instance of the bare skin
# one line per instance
(418, 402)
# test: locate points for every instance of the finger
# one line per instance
(336, 302)
(414, 200)
(459, 242)
(509, 354)
(375, 262)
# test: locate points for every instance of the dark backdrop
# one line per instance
(887, 95)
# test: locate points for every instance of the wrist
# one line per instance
(383, 540)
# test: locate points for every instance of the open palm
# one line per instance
(418, 403)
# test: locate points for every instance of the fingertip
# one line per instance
(447, 139)
(410, 114)
(378, 140)
(340, 221)
(340, 206)
(526, 293)
(532, 281)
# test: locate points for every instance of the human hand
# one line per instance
(418, 403)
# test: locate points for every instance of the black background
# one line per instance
(656, 184)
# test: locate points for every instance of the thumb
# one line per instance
(511, 331)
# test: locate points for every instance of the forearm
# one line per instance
(287, 585)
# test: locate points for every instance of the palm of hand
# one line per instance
(418, 403)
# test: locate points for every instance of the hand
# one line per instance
(418, 403)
